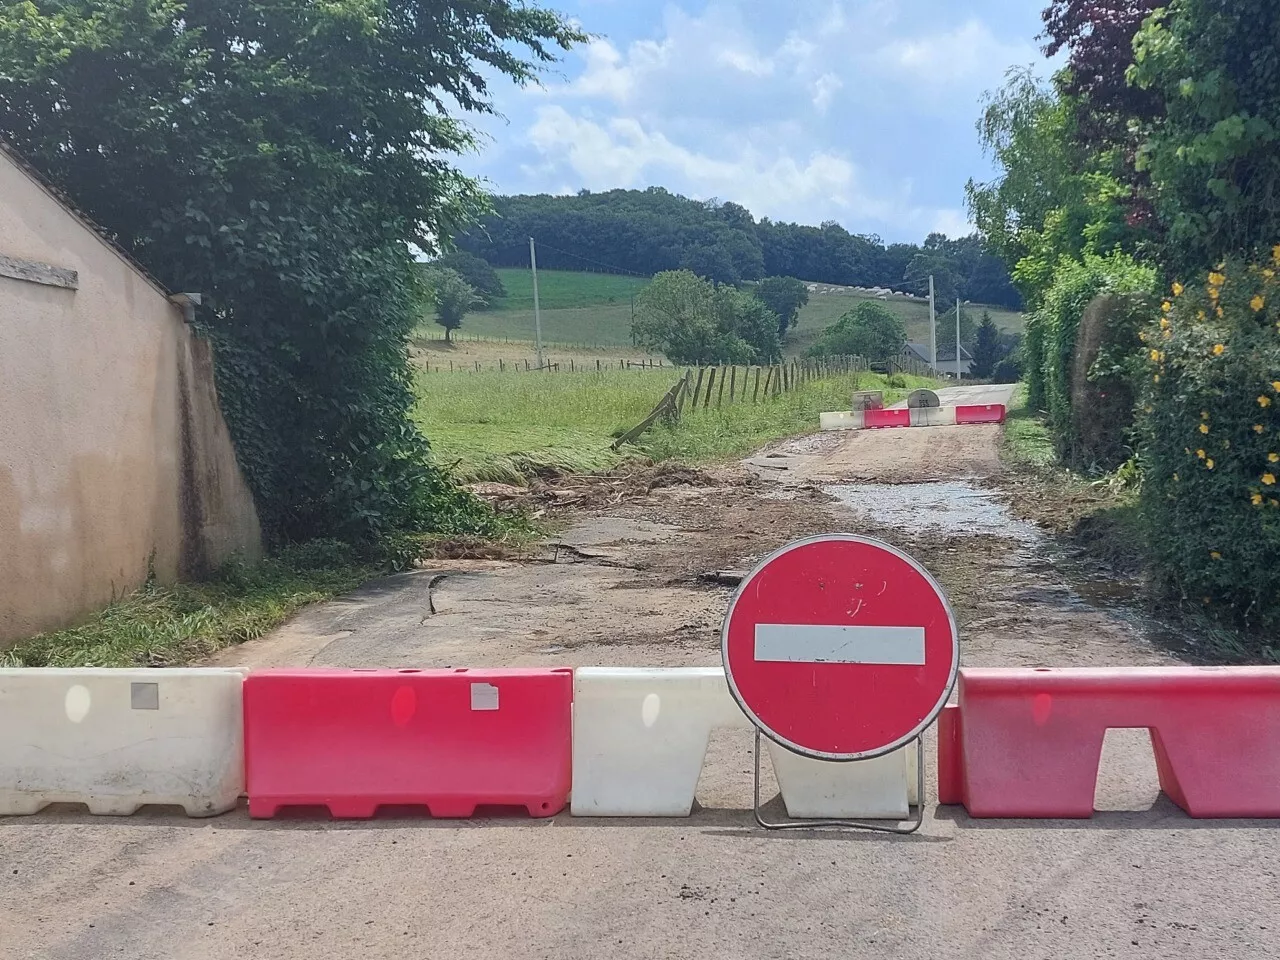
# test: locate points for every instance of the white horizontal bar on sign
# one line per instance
(821, 643)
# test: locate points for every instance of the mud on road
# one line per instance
(625, 581)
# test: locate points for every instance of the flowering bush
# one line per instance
(1210, 428)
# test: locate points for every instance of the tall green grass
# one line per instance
(508, 427)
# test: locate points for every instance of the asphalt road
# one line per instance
(1139, 880)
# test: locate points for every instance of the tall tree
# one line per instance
(280, 157)
(690, 320)
(868, 330)
(1213, 153)
(785, 296)
(452, 297)
(986, 350)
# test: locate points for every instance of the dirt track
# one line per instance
(620, 585)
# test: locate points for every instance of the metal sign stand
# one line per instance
(913, 824)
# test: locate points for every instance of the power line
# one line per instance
(609, 267)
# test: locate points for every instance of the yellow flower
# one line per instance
(1269, 273)
(1200, 454)
(1275, 385)
(1274, 502)
(1218, 349)
(1176, 478)
(1204, 428)
(1177, 289)
(1269, 479)
(1156, 378)
(1257, 302)
(1155, 356)
(1256, 499)
(1168, 334)
(1217, 279)
(1166, 306)
(1215, 554)
(1209, 463)
(1275, 253)
(1264, 401)
(1218, 311)
(1273, 457)
(1164, 323)
(1258, 428)
(1214, 293)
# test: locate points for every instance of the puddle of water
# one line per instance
(952, 507)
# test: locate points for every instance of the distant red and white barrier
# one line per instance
(916, 417)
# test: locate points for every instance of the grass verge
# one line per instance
(508, 427)
(161, 626)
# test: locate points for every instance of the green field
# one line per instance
(594, 309)
(506, 427)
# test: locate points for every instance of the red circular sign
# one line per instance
(840, 647)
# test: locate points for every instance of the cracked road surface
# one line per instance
(1140, 880)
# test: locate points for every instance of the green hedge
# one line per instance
(1210, 429)
(1051, 331)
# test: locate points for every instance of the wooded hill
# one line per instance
(648, 231)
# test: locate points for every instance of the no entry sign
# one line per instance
(840, 647)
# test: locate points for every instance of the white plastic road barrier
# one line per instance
(874, 789)
(842, 420)
(933, 416)
(115, 740)
(640, 736)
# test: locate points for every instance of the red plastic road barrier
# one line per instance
(879, 417)
(452, 740)
(1026, 743)
(981, 413)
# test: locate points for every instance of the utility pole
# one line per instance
(537, 313)
(933, 328)
(957, 340)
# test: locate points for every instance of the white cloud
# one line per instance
(954, 223)
(745, 62)
(733, 102)
(967, 52)
(624, 152)
(824, 88)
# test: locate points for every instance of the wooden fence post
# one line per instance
(733, 380)
(697, 390)
(720, 395)
(768, 378)
(711, 382)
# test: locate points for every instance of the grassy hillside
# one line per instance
(594, 309)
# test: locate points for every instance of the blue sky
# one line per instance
(859, 111)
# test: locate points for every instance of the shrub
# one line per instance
(1051, 331)
(1210, 432)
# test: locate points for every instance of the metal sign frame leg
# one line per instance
(912, 825)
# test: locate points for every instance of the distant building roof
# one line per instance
(921, 351)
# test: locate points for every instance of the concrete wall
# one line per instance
(113, 452)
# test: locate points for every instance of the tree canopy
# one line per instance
(279, 158)
(654, 230)
(868, 330)
(691, 320)
(784, 296)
